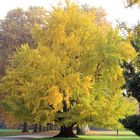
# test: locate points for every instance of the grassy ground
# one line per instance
(96, 138)
(101, 135)
(91, 135)
(9, 130)
(109, 133)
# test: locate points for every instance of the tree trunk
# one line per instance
(40, 128)
(44, 129)
(139, 108)
(117, 132)
(36, 128)
(66, 131)
(25, 127)
(79, 131)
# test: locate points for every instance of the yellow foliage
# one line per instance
(127, 51)
(74, 74)
(54, 97)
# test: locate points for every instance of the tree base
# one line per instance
(36, 128)
(25, 127)
(66, 132)
(40, 128)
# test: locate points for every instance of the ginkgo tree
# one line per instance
(74, 76)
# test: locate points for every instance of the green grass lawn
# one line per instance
(124, 135)
(96, 138)
(10, 130)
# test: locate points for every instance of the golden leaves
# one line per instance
(76, 66)
(54, 97)
(127, 51)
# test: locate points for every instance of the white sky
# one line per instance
(114, 8)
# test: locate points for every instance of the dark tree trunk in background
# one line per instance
(139, 108)
(25, 127)
(36, 128)
(66, 131)
(44, 129)
(79, 131)
(40, 128)
(117, 132)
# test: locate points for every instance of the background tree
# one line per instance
(15, 31)
(132, 74)
(133, 2)
(132, 123)
(132, 78)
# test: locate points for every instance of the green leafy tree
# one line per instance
(132, 73)
(132, 123)
(132, 79)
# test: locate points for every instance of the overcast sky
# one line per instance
(114, 8)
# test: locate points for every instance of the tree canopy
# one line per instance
(74, 75)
